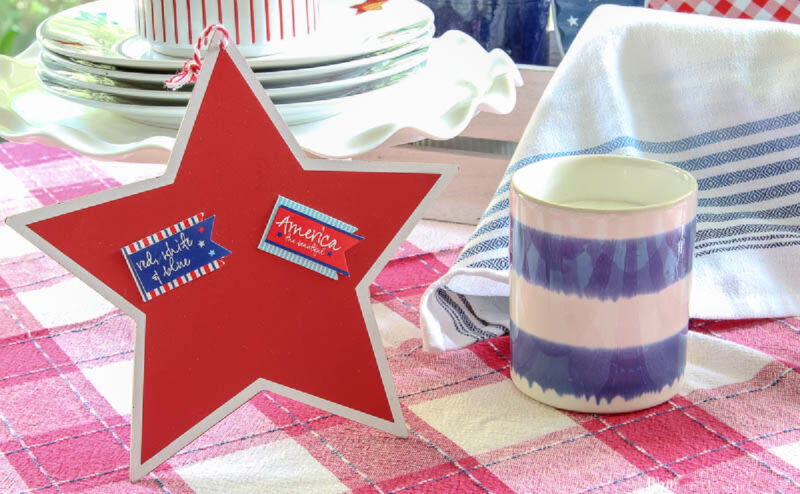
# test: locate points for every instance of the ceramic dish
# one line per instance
(169, 114)
(103, 32)
(155, 93)
(257, 27)
(459, 79)
(274, 78)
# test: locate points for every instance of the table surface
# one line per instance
(66, 372)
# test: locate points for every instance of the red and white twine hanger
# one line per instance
(192, 66)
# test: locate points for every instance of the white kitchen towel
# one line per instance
(717, 97)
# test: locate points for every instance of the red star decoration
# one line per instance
(260, 322)
(366, 5)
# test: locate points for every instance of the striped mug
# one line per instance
(258, 27)
(601, 260)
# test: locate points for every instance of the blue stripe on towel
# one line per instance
(498, 264)
(499, 223)
(749, 174)
(598, 373)
(783, 212)
(752, 196)
(740, 153)
(486, 246)
(463, 320)
(749, 247)
(497, 207)
(759, 238)
(732, 231)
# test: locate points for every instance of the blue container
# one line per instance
(569, 16)
(516, 26)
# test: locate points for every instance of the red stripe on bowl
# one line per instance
(280, 12)
(189, 18)
(252, 23)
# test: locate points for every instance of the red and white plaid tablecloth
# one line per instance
(66, 372)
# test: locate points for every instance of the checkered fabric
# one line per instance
(767, 10)
(66, 379)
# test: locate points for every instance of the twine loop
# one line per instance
(191, 68)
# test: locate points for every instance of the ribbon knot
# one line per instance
(191, 68)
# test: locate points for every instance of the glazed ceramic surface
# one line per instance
(169, 114)
(601, 256)
(368, 64)
(104, 32)
(438, 102)
(258, 28)
(99, 88)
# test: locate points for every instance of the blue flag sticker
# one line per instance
(174, 256)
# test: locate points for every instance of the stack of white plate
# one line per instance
(91, 55)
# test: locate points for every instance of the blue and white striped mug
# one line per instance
(601, 260)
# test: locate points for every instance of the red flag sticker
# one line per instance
(309, 238)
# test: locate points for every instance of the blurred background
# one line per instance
(19, 18)
(516, 26)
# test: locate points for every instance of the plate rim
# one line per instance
(174, 63)
(164, 95)
(174, 111)
(423, 40)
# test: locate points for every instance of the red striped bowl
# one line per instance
(258, 27)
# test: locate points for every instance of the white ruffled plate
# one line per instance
(438, 102)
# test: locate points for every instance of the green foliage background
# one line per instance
(19, 18)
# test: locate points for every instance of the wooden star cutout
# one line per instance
(260, 323)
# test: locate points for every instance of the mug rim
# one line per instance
(631, 160)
